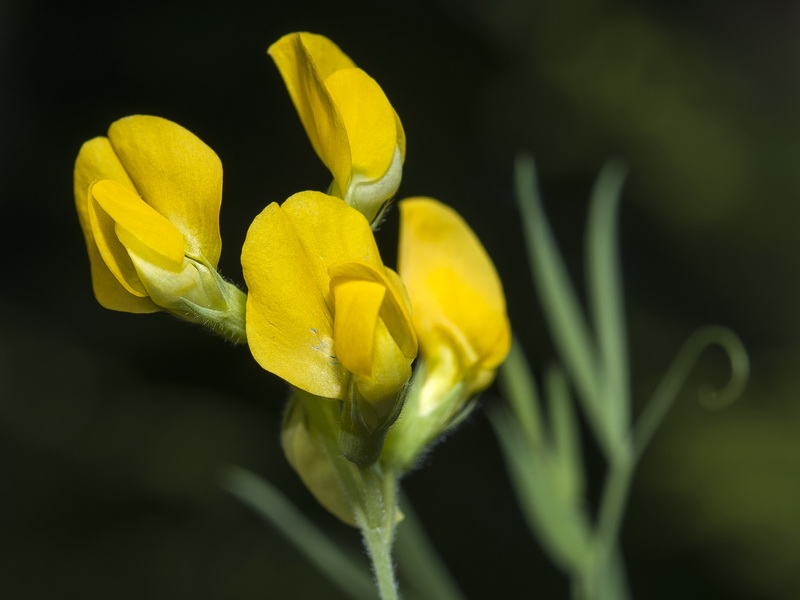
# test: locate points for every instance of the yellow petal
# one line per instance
(395, 310)
(138, 227)
(289, 323)
(391, 370)
(350, 122)
(304, 61)
(357, 303)
(97, 160)
(177, 174)
(327, 56)
(286, 260)
(113, 253)
(332, 232)
(401, 136)
(375, 337)
(369, 119)
(287, 257)
(455, 291)
(396, 314)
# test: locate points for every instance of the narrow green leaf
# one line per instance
(605, 295)
(559, 301)
(519, 387)
(341, 567)
(420, 563)
(566, 437)
(562, 529)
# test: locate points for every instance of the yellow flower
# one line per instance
(348, 119)
(323, 312)
(458, 302)
(460, 318)
(148, 199)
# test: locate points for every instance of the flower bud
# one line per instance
(303, 442)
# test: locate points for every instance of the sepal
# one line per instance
(364, 426)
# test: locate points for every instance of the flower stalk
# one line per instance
(376, 517)
(369, 492)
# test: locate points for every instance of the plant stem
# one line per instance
(376, 519)
(370, 491)
(602, 579)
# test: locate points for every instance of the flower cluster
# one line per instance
(382, 362)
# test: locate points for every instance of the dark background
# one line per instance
(113, 426)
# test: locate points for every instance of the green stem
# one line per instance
(228, 322)
(376, 519)
(602, 574)
(613, 501)
(372, 494)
